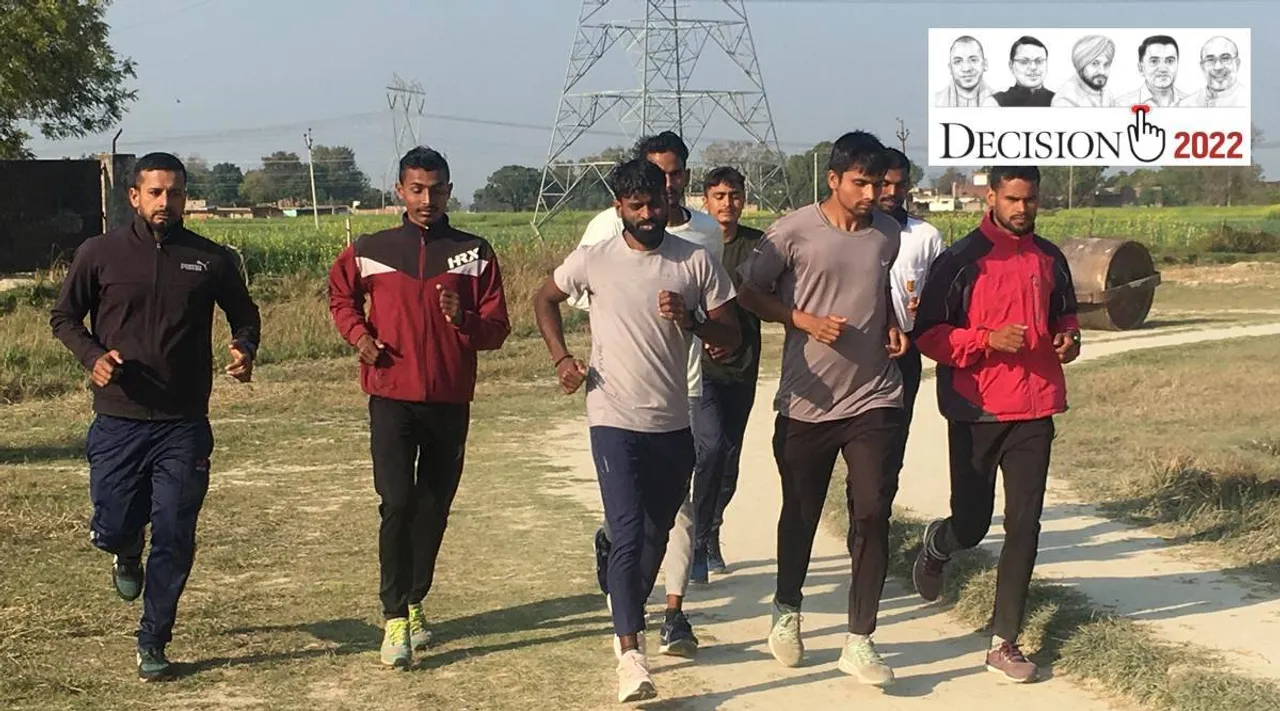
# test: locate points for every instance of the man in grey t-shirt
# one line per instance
(823, 272)
(651, 293)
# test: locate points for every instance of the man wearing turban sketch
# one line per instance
(1092, 56)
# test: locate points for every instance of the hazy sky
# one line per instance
(233, 80)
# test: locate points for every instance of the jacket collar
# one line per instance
(1002, 239)
(441, 228)
(142, 230)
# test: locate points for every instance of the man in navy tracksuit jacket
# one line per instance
(149, 289)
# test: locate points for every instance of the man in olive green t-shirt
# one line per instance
(720, 413)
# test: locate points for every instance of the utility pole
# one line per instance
(1071, 186)
(311, 164)
(902, 135)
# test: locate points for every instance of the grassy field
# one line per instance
(292, 245)
(282, 609)
(1187, 439)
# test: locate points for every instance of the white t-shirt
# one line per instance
(701, 229)
(921, 244)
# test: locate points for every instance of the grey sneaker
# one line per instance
(861, 660)
(419, 635)
(395, 644)
(784, 639)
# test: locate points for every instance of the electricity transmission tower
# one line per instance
(407, 101)
(666, 43)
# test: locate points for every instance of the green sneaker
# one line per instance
(784, 639)
(395, 644)
(126, 575)
(153, 666)
(861, 660)
(419, 635)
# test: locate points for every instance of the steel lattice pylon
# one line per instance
(406, 101)
(668, 43)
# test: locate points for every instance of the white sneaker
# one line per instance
(634, 683)
(617, 646)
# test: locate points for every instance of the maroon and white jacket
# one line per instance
(426, 358)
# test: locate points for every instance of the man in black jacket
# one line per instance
(149, 289)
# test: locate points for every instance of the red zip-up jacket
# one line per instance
(425, 357)
(985, 281)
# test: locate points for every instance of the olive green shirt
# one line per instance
(744, 365)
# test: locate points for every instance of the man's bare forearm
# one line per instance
(767, 306)
(546, 310)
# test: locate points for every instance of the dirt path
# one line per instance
(937, 660)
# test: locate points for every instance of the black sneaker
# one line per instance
(926, 574)
(126, 575)
(698, 569)
(153, 666)
(676, 638)
(715, 559)
(602, 547)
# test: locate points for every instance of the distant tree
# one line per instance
(287, 177)
(800, 174)
(511, 188)
(338, 180)
(951, 175)
(198, 177)
(224, 184)
(257, 188)
(454, 205)
(59, 72)
(1075, 187)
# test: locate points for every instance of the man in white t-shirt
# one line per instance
(669, 152)
(921, 244)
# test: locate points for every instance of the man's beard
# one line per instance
(1028, 227)
(648, 237)
(162, 228)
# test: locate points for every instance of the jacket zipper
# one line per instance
(426, 306)
(153, 305)
(1035, 320)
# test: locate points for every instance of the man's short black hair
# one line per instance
(724, 175)
(1157, 39)
(158, 161)
(424, 158)
(897, 160)
(858, 150)
(665, 142)
(1003, 173)
(1026, 39)
(637, 177)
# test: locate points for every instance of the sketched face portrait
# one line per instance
(1028, 65)
(1220, 61)
(968, 63)
(1096, 73)
(1159, 65)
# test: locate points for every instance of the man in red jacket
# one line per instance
(998, 314)
(436, 299)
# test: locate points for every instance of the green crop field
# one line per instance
(294, 246)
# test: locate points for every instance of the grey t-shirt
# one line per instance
(638, 375)
(820, 269)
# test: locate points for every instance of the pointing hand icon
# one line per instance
(1146, 140)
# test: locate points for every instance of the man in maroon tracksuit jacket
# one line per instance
(998, 314)
(436, 298)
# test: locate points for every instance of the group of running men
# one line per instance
(676, 298)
